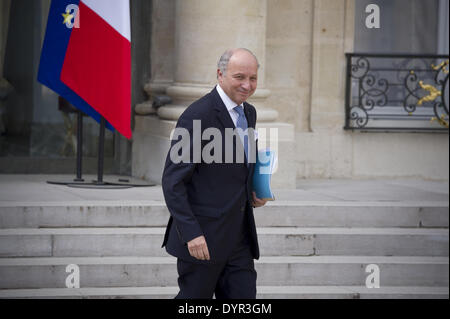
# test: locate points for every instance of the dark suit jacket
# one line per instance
(209, 199)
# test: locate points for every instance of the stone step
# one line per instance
(154, 213)
(263, 292)
(50, 272)
(274, 241)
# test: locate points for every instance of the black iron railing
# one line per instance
(390, 92)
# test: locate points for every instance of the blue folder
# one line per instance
(265, 163)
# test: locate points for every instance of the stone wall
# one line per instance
(303, 82)
(306, 43)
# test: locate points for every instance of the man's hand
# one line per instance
(198, 248)
(258, 202)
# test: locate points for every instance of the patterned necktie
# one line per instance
(242, 123)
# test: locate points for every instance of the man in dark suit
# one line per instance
(212, 228)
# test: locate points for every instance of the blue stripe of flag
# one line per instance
(53, 52)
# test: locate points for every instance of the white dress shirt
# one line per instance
(229, 104)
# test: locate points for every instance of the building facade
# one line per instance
(304, 85)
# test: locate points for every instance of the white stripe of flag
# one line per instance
(115, 12)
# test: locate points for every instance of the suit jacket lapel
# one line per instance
(252, 124)
(222, 112)
(224, 116)
(250, 121)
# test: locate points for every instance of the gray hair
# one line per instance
(222, 65)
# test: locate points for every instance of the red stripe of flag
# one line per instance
(97, 67)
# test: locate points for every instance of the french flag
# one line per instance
(86, 58)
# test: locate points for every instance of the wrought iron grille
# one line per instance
(390, 92)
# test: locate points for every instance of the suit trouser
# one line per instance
(232, 279)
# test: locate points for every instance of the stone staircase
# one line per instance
(308, 249)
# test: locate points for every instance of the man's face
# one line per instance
(241, 78)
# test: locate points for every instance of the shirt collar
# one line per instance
(226, 100)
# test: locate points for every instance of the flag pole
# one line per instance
(101, 152)
(99, 183)
(65, 107)
(79, 145)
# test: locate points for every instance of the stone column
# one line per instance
(326, 151)
(203, 31)
(162, 49)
